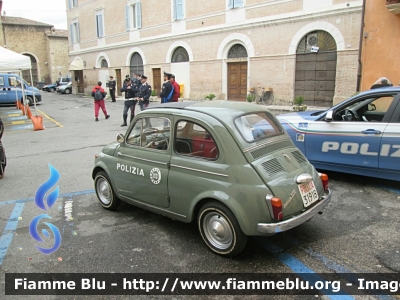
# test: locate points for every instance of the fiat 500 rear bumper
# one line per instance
(274, 228)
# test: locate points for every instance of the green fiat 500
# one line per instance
(229, 166)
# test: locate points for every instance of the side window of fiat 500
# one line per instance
(194, 140)
(151, 133)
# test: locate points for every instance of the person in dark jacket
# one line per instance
(99, 103)
(111, 86)
(166, 89)
(130, 101)
(3, 160)
(144, 93)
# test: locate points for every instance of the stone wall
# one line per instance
(48, 47)
(58, 59)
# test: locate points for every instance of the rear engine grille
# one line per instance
(299, 156)
(270, 148)
(272, 167)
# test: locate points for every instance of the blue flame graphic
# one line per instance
(35, 235)
(45, 187)
(51, 199)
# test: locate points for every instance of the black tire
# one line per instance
(67, 91)
(30, 100)
(229, 240)
(51, 90)
(105, 192)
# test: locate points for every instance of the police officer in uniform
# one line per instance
(136, 79)
(111, 85)
(144, 93)
(130, 100)
(166, 88)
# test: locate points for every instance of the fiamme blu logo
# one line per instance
(45, 203)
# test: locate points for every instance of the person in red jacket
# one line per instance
(98, 93)
(177, 89)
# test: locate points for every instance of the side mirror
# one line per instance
(371, 107)
(329, 116)
(120, 138)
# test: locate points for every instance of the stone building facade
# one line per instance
(293, 47)
(47, 47)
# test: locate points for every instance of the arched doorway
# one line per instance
(316, 58)
(180, 55)
(103, 63)
(136, 64)
(237, 73)
(26, 73)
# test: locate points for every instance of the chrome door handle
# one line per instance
(371, 131)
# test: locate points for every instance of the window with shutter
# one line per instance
(133, 15)
(235, 3)
(127, 18)
(178, 10)
(138, 15)
(77, 33)
(71, 31)
(74, 32)
(100, 25)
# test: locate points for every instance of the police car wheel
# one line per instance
(30, 100)
(220, 230)
(105, 192)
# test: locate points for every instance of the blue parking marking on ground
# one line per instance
(11, 112)
(12, 223)
(334, 266)
(21, 127)
(301, 269)
(17, 118)
(70, 195)
(341, 271)
(9, 230)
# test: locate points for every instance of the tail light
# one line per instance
(324, 179)
(275, 207)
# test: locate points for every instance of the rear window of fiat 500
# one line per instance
(257, 126)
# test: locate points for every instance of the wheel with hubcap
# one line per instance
(30, 100)
(51, 90)
(220, 230)
(105, 192)
(67, 91)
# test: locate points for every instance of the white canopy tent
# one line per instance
(11, 61)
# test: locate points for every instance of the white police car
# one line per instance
(360, 135)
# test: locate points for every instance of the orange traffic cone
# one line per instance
(28, 113)
(37, 122)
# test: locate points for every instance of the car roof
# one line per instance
(385, 89)
(219, 109)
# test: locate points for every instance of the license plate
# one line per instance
(308, 193)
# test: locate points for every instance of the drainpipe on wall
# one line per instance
(360, 47)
